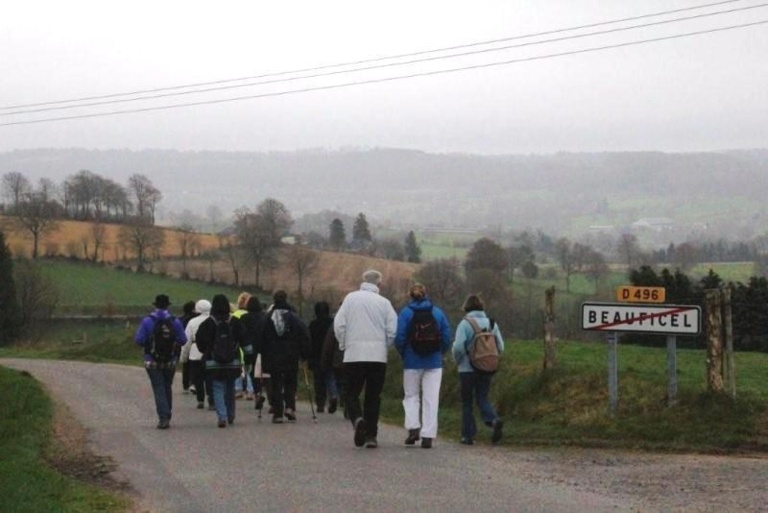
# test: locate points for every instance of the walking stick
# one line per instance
(309, 390)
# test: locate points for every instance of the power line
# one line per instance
(373, 60)
(381, 66)
(391, 79)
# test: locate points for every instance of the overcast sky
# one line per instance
(706, 92)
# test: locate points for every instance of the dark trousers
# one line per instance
(203, 386)
(369, 376)
(282, 391)
(475, 387)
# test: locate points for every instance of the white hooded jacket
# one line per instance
(189, 351)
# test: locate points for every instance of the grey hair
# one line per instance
(372, 276)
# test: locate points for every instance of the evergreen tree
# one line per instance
(10, 318)
(338, 236)
(360, 230)
(412, 248)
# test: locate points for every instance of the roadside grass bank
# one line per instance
(31, 455)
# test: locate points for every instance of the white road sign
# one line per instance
(667, 319)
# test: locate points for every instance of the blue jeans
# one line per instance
(248, 384)
(162, 383)
(475, 386)
(224, 399)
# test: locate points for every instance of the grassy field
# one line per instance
(100, 290)
(27, 481)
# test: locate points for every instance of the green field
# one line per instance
(98, 290)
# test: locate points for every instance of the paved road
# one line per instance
(259, 466)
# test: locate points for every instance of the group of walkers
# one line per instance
(231, 350)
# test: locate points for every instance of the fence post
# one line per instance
(671, 370)
(550, 357)
(712, 305)
(613, 373)
(730, 365)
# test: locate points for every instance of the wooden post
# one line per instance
(730, 367)
(714, 342)
(550, 356)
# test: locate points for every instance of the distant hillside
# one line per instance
(566, 193)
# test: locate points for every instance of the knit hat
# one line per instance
(203, 306)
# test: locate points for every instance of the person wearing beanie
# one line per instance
(218, 330)
(189, 313)
(191, 354)
(254, 319)
(365, 327)
(475, 385)
(423, 336)
(160, 335)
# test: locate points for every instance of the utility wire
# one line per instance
(372, 60)
(381, 66)
(391, 79)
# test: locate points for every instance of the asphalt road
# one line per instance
(255, 465)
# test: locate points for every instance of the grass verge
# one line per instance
(37, 472)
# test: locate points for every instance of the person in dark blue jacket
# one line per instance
(161, 363)
(423, 336)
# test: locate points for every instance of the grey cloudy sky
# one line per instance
(706, 92)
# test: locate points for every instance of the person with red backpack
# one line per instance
(220, 338)
(161, 335)
(476, 372)
(423, 336)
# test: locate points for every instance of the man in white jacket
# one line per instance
(189, 352)
(365, 327)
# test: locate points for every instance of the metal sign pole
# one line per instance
(613, 373)
(671, 370)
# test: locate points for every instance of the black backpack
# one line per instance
(224, 345)
(162, 341)
(424, 333)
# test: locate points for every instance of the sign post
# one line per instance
(613, 318)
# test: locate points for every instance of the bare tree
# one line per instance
(146, 195)
(15, 188)
(139, 235)
(37, 217)
(37, 295)
(304, 262)
(98, 234)
(443, 280)
(185, 236)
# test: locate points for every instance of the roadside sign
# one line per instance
(665, 319)
(641, 294)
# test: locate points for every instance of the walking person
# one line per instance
(254, 320)
(475, 385)
(191, 353)
(286, 341)
(244, 383)
(365, 327)
(219, 338)
(423, 336)
(323, 378)
(189, 312)
(161, 335)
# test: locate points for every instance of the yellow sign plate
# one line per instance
(641, 294)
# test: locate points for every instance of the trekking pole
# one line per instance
(309, 390)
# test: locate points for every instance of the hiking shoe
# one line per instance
(360, 432)
(497, 427)
(466, 441)
(371, 443)
(231, 421)
(413, 436)
(277, 420)
(249, 396)
(222, 423)
(238, 395)
(260, 402)
(290, 415)
(200, 405)
(426, 443)
(163, 424)
(332, 405)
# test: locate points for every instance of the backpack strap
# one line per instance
(475, 328)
